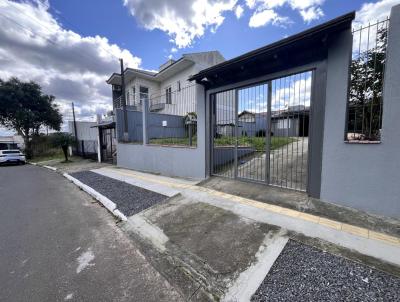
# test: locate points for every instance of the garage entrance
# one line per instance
(260, 131)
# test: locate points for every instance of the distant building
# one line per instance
(11, 142)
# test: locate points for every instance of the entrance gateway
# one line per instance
(260, 132)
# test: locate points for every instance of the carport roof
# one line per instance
(302, 48)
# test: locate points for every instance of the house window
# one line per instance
(168, 95)
(178, 85)
(144, 94)
(133, 95)
(364, 106)
(284, 124)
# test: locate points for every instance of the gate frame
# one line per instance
(316, 124)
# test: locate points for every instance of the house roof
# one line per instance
(178, 65)
(105, 125)
(299, 49)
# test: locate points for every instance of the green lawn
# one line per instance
(256, 142)
(182, 141)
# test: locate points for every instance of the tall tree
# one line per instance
(24, 108)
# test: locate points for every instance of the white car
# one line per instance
(12, 156)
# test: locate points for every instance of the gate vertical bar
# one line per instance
(213, 131)
(236, 102)
(268, 135)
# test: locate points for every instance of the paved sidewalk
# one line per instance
(217, 246)
(371, 243)
(75, 164)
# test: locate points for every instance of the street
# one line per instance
(56, 244)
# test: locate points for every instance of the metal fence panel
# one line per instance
(364, 110)
(260, 132)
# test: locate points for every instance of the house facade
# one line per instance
(166, 89)
(277, 115)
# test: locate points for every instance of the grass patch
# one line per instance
(244, 141)
(254, 142)
(171, 141)
(54, 156)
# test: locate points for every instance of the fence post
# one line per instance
(190, 134)
(83, 148)
(145, 113)
(391, 89)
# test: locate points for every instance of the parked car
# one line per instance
(12, 156)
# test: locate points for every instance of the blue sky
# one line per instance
(71, 47)
(234, 37)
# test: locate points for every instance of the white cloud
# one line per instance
(239, 11)
(304, 4)
(174, 49)
(183, 21)
(311, 13)
(309, 10)
(371, 12)
(265, 17)
(34, 46)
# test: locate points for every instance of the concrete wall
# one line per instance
(84, 130)
(171, 161)
(362, 176)
(175, 125)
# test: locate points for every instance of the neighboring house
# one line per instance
(292, 122)
(87, 138)
(167, 89)
(96, 140)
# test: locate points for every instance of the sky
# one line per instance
(71, 47)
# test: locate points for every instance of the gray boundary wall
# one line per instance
(168, 160)
(363, 176)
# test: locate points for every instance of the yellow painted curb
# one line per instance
(344, 227)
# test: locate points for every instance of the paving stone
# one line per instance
(304, 273)
(130, 199)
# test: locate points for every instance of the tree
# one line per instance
(24, 108)
(366, 89)
(63, 140)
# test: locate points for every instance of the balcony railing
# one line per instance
(178, 102)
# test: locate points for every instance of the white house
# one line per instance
(167, 90)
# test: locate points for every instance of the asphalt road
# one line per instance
(56, 244)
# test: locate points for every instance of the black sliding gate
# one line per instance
(260, 132)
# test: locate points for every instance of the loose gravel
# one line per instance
(129, 199)
(304, 273)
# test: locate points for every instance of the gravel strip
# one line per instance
(304, 273)
(129, 199)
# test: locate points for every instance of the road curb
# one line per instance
(107, 203)
(49, 167)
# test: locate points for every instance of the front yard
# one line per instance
(244, 141)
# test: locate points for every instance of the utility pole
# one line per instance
(75, 130)
(126, 135)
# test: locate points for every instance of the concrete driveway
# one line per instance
(56, 244)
